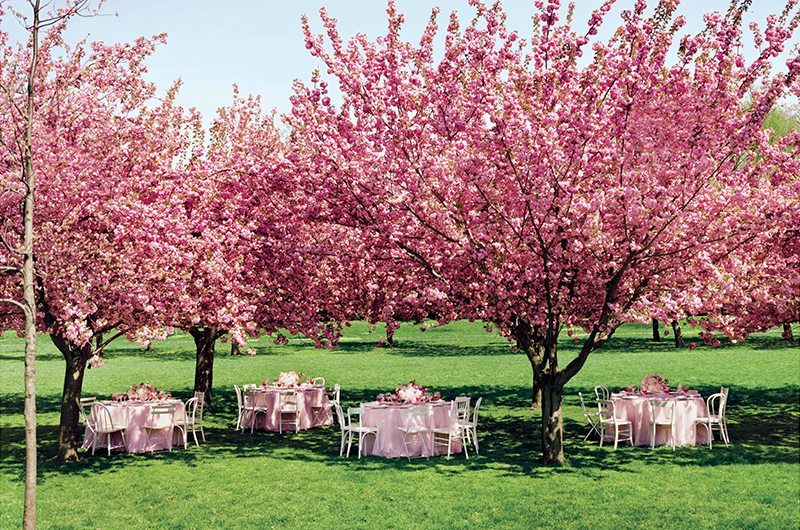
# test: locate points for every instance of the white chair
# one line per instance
(318, 381)
(470, 428)
(607, 417)
(84, 416)
(289, 412)
(601, 392)
(249, 387)
(240, 406)
(716, 404)
(350, 427)
(250, 405)
(335, 394)
(662, 414)
(593, 418)
(103, 424)
(462, 406)
(161, 420)
(191, 418)
(418, 423)
(453, 430)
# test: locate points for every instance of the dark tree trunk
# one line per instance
(676, 331)
(235, 350)
(552, 423)
(389, 338)
(98, 341)
(656, 330)
(69, 434)
(522, 334)
(536, 387)
(204, 341)
(787, 332)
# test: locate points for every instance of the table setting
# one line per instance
(312, 402)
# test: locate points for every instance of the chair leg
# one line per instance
(464, 448)
(194, 435)
(653, 437)
(109, 444)
(341, 444)
(202, 433)
(724, 430)
(475, 440)
(94, 443)
(602, 435)
(616, 436)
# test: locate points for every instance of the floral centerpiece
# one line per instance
(143, 392)
(288, 379)
(655, 384)
(409, 393)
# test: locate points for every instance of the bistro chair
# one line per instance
(593, 418)
(418, 423)
(662, 414)
(103, 424)
(470, 428)
(250, 405)
(161, 420)
(289, 412)
(717, 406)
(623, 429)
(453, 430)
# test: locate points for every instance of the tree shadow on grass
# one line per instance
(763, 429)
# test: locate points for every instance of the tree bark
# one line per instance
(76, 358)
(656, 330)
(28, 293)
(552, 422)
(204, 341)
(536, 387)
(389, 338)
(676, 331)
(522, 334)
(787, 332)
(235, 350)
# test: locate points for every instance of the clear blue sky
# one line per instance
(259, 44)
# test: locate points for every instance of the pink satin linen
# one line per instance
(313, 404)
(388, 419)
(134, 415)
(636, 409)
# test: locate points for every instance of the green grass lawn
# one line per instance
(269, 480)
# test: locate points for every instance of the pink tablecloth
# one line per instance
(636, 409)
(388, 419)
(134, 415)
(313, 404)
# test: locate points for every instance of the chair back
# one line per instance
(601, 392)
(723, 404)
(606, 409)
(583, 404)
(201, 403)
(662, 410)
(475, 410)
(336, 392)
(423, 414)
(239, 401)
(190, 408)
(249, 386)
(462, 407)
(339, 415)
(287, 400)
(163, 416)
(354, 411)
(318, 381)
(84, 401)
(714, 404)
(249, 398)
(101, 417)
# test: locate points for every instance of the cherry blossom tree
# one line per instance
(538, 192)
(104, 149)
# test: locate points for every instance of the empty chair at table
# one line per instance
(251, 405)
(193, 418)
(462, 406)
(249, 386)
(601, 392)
(350, 427)
(593, 418)
(444, 436)
(662, 414)
(416, 427)
(607, 417)
(469, 428)
(160, 424)
(239, 406)
(102, 423)
(288, 410)
(84, 416)
(717, 405)
(335, 393)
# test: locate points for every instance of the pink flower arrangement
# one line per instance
(290, 379)
(144, 392)
(655, 384)
(409, 393)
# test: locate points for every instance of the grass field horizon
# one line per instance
(276, 480)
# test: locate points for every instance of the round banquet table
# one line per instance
(636, 409)
(134, 415)
(312, 402)
(388, 419)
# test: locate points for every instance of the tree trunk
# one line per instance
(98, 341)
(235, 350)
(204, 341)
(552, 423)
(69, 429)
(522, 333)
(389, 338)
(787, 332)
(656, 330)
(676, 331)
(536, 387)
